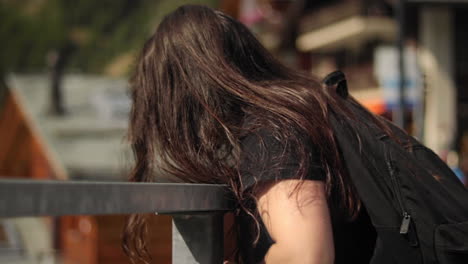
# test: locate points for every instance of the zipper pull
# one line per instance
(405, 223)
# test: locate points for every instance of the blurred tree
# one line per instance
(84, 35)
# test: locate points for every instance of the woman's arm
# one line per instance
(298, 219)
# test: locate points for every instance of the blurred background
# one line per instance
(64, 66)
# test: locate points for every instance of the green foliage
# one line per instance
(99, 31)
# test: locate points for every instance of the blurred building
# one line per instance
(86, 143)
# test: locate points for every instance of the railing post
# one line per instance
(197, 238)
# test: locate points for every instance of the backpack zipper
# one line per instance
(406, 221)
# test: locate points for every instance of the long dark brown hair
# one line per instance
(197, 79)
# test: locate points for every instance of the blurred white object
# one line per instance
(387, 72)
(29, 241)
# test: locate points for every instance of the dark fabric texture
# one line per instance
(262, 162)
(354, 241)
(418, 206)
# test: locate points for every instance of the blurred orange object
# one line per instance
(376, 106)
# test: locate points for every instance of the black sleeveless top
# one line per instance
(354, 241)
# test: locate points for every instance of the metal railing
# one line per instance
(197, 209)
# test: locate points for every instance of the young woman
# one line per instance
(211, 105)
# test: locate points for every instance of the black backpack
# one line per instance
(417, 205)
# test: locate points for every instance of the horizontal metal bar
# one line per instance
(34, 198)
